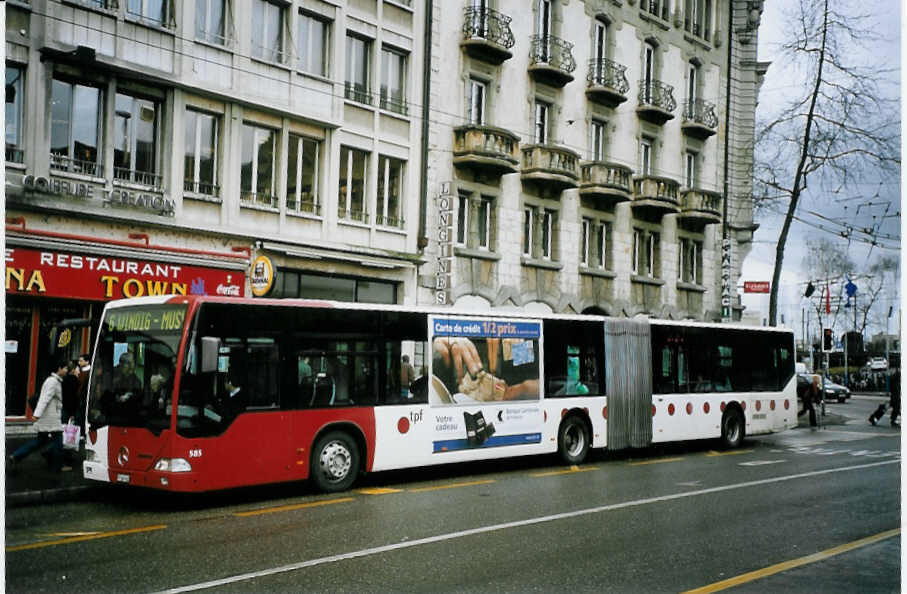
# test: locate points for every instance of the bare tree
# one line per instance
(841, 129)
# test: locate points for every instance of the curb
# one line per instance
(57, 495)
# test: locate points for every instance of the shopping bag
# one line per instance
(71, 436)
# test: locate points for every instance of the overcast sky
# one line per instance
(869, 206)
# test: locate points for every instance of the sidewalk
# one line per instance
(33, 482)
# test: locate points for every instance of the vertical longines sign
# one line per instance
(444, 236)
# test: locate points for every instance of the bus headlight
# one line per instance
(173, 465)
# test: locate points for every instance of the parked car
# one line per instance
(833, 391)
(878, 363)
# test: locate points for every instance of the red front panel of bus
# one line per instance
(257, 448)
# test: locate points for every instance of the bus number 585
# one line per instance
(195, 453)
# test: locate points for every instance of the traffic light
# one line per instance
(828, 341)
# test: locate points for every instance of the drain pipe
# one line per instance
(426, 99)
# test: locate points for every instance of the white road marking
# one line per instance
(506, 526)
(761, 462)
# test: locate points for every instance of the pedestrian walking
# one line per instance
(894, 402)
(48, 425)
(810, 397)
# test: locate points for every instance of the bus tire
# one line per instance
(732, 428)
(573, 440)
(335, 462)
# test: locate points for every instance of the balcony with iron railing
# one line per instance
(70, 165)
(147, 179)
(304, 207)
(358, 93)
(655, 195)
(551, 60)
(549, 166)
(699, 119)
(607, 82)
(389, 221)
(393, 102)
(486, 149)
(260, 199)
(201, 188)
(607, 183)
(701, 207)
(487, 35)
(656, 101)
(356, 216)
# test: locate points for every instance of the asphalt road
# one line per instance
(801, 511)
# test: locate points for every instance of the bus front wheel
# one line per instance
(335, 462)
(732, 429)
(573, 440)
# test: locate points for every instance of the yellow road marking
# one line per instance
(730, 453)
(378, 491)
(84, 537)
(658, 461)
(571, 470)
(284, 508)
(452, 486)
(785, 566)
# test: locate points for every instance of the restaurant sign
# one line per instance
(50, 273)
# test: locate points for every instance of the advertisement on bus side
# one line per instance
(478, 365)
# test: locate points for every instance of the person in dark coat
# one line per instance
(811, 396)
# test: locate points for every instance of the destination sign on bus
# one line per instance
(485, 328)
(153, 319)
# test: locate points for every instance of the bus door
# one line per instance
(628, 362)
(237, 411)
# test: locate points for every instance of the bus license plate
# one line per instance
(122, 478)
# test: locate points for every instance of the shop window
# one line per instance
(358, 58)
(313, 44)
(259, 156)
(352, 178)
(201, 141)
(302, 175)
(267, 30)
(15, 78)
(135, 140)
(393, 80)
(75, 128)
(211, 21)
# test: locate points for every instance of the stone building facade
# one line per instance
(578, 155)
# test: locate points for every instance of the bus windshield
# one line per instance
(134, 365)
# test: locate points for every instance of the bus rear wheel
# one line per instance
(732, 429)
(335, 462)
(573, 440)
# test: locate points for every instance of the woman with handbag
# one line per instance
(48, 425)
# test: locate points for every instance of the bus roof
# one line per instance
(432, 310)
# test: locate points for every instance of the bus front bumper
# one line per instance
(154, 479)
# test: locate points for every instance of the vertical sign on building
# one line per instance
(726, 279)
(444, 273)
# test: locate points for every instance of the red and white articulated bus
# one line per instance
(207, 393)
